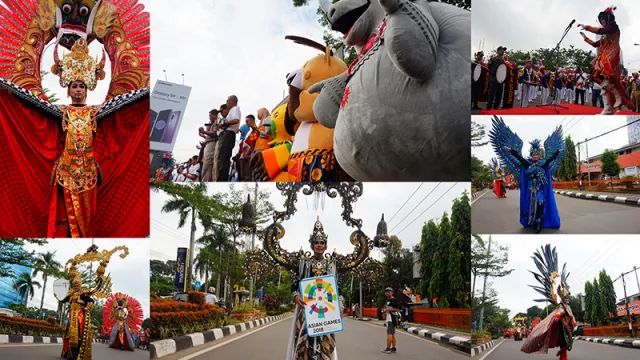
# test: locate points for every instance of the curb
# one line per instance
(162, 348)
(618, 342)
(20, 339)
(478, 195)
(458, 341)
(482, 348)
(609, 198)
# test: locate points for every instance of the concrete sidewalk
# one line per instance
(609, 197)
(631, 343)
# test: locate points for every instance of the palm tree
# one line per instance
(46, 264)
(203, 263)
(215, 240)
(24, 285)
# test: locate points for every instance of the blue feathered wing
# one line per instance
(554, 142)
(501, 136)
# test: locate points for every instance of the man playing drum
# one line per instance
(498, 75)
(478, 69)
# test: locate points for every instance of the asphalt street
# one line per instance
(510, 350)
(492, 215)
(359, 340)
(52, 352)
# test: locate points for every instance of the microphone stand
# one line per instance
(557, 50)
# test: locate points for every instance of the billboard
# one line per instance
(168, 105)
(182, 266)
(634, 308)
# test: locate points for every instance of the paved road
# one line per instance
(52, 352)
(359, 340)
(492, 215)
(510, 350)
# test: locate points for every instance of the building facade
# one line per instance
(7, 294)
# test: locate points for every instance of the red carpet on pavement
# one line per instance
(572, 109)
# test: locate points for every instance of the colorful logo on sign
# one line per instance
(320, 297)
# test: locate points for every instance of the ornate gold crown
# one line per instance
(103, 283)
(78, 66)
(318, 232)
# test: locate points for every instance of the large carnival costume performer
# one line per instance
(311, 156)
(557, 328)
(537, 202)
(302, 265)
(121, 312)
(606, 65)
(498, 174)
(76, 344)
(391, 118)
(91, 150)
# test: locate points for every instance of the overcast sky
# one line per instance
(52, 82)
(226, 47)
(129, 275)
(531, 25)
(532, 127)
(585, 255)
(377, 198)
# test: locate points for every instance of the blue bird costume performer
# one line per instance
(537, 203)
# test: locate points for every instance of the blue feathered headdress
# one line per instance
(535, 147)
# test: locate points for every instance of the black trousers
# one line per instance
(227, 142)
(579, 93)
(495, 94)
(475, 91)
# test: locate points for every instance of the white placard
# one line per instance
(60, 288)
(322, 311)
(168, 106)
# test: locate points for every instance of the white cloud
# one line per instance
(377, 198)
(539, 127)
(129, 275)
(585, 256)
(226, 47)
(530, 25)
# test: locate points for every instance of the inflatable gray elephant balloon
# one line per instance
(401, 111)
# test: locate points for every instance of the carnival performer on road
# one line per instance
(76, 344)
(537, 203)
(557, 328)
(607, 61)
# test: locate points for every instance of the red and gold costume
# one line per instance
(121, 315)
(607, 61)
(38, 137)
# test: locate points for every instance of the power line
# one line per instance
(421, 201)
(405, 203)
(574, 124)
(610, 131)
(441, 196)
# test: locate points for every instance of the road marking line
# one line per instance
(478, 197)
(490, 351)
(203, 351)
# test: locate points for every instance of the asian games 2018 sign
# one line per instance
(322, 311)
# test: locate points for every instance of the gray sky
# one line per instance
(531, 127)
(227, 47)
(129, 275)
(52, 81)
(530, 25)
(377, 198)
(585, 255)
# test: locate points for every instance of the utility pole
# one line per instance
(626, 299)
(253, 237)
(637, 282)
(586, 145)
(484, 287)
(191, 245)
(361, 303)
(579, 167)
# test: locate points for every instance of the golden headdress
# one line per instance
(103, 283)
(78, 65)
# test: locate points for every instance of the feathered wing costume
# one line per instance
(537, 203)
(121, 313)
(556, 329)
(96, 201)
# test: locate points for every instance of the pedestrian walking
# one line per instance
(391, 318)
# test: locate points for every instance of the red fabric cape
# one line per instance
(31, 141)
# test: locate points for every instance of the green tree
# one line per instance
(610, 164)
(553, 58)
(491, 264)
(567, 171)
(161, 268)
(480, 173)
(460, 251)
(440, 286)
(53, 98)
(588, 294)
(576, 307)
(428, 246)
(608, 294)
(25, 286)
(46, 264)
(12, 253)
(533, 312)
(597, 308)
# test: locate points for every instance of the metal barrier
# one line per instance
(453, 318)
(617, 330)
(614, 185)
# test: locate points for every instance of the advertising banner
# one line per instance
(168, 105)
(634, 308)
(182, 266)
(322, 312)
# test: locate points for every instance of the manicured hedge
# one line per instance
(21, 326)
(176, 318)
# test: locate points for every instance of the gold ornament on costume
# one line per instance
(103, 283)
(78, 66)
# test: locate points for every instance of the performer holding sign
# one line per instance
(607, 62)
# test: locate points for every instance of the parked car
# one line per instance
(579, 330)
(182, 296)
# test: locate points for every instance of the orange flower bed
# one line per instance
(30, 327)
(176, 318)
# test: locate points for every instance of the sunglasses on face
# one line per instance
(319, 242)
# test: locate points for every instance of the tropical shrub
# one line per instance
(196, 297)
(176, 318)
(271, 302)
(22, 326)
